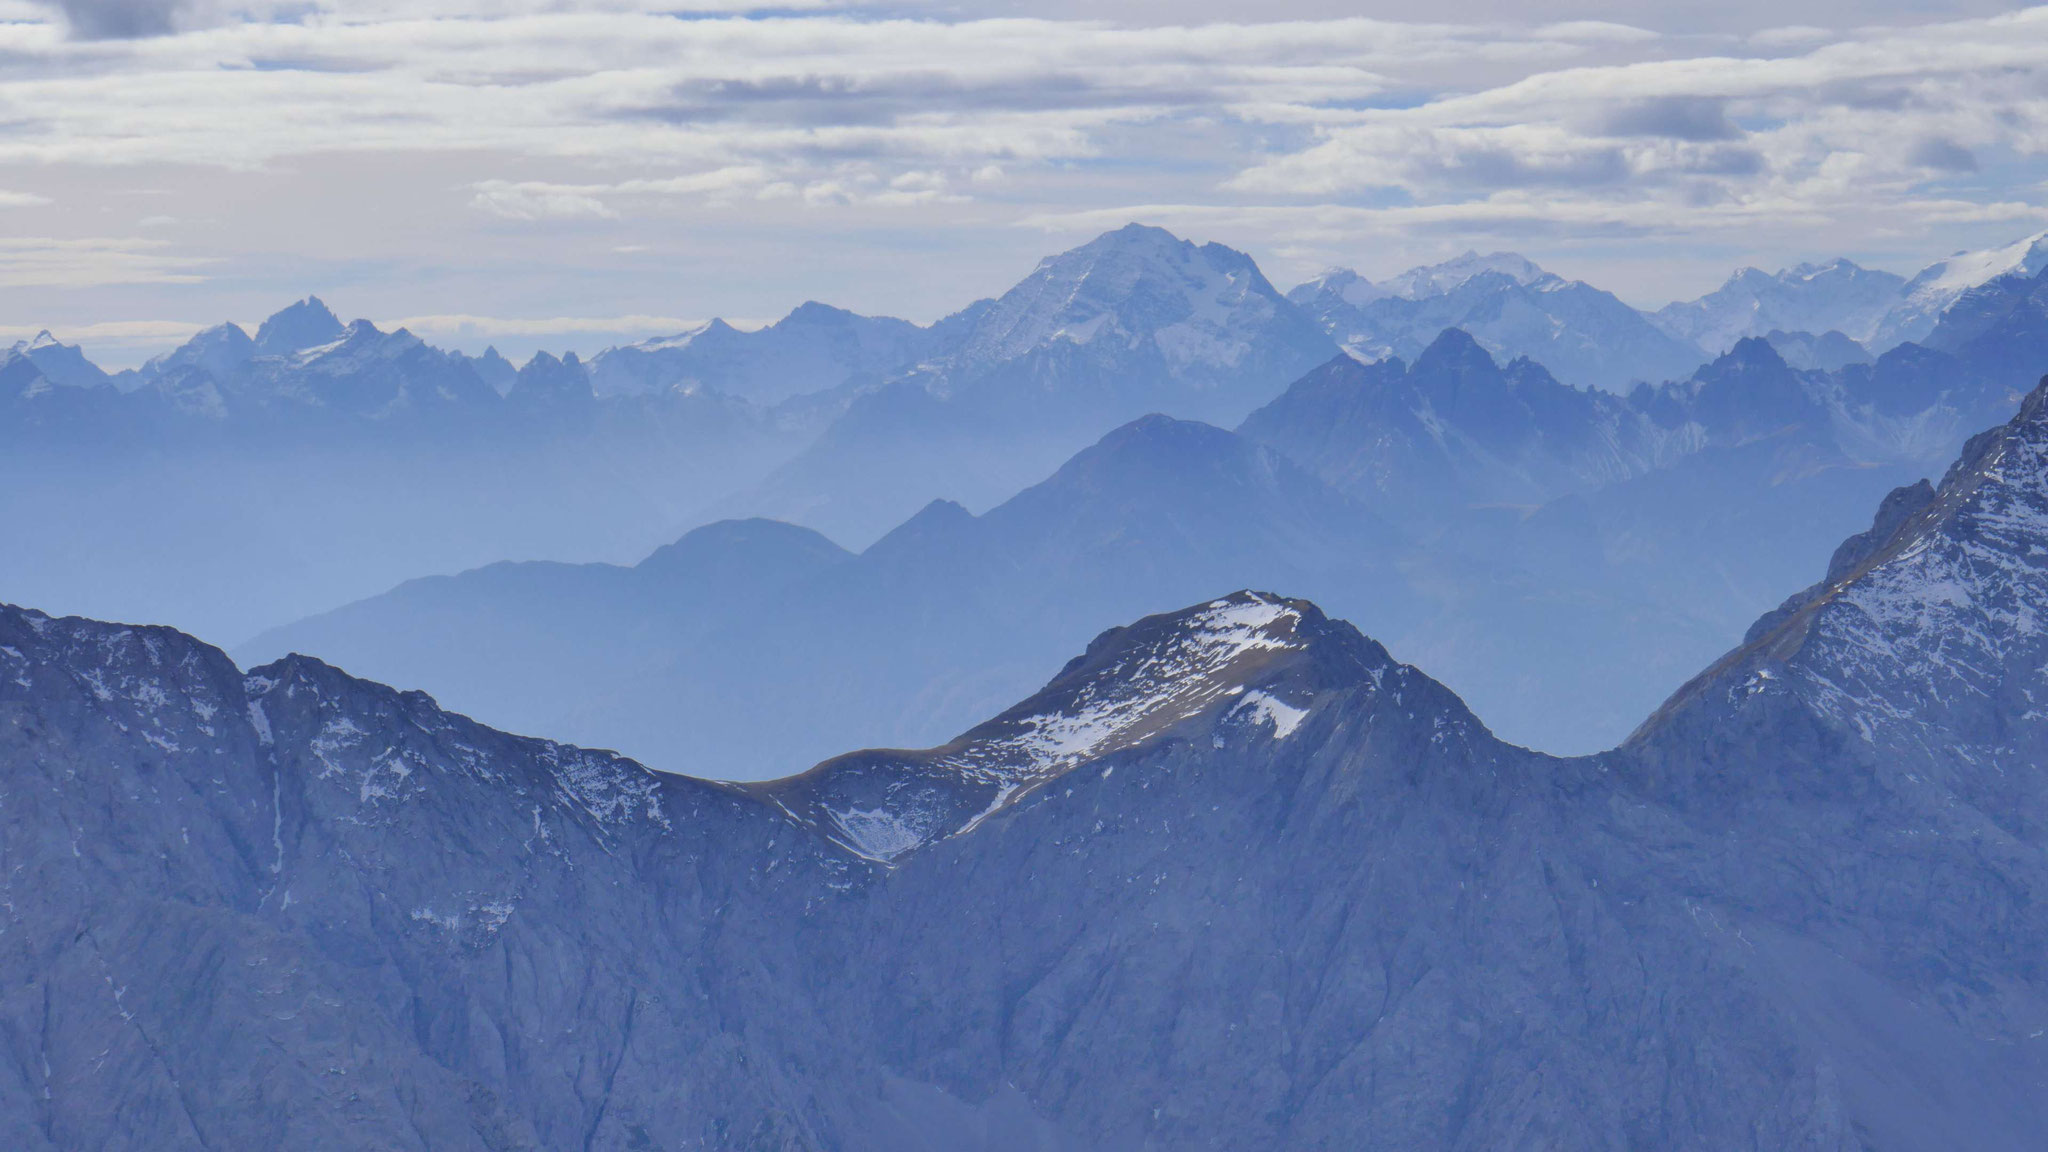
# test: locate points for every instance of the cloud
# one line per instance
(44, 262)
(637, 114)
(1856, 129)
(1942, 155)
(120, 19)
(21, 199)
(125, 333)
(485, 327)
(535, 201)
(844, 183)
(639, 86)
(1694, 118)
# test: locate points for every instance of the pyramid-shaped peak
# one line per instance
(307, 323)
(811, 312)
(1454, 350)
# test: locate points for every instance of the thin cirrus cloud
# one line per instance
(1574, 105)
(92, 262)
(1870, 126)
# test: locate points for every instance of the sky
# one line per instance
(565, 175)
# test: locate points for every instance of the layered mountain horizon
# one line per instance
(1478, 508)
(1239, 860)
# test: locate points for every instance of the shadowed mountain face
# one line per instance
(1811, 298)
(318, 461)
(1135, 321)
(689, 659)
(815, 348)
(1234, 878)
(260, 485)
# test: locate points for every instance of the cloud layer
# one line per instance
(1312, 138)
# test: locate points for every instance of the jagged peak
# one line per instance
(1749, 352)
(303, 324)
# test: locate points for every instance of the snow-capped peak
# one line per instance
(1342, 283)
(1926, 296)
(1201, 304)
(1437, 279)
(1223, 663)
(1965, 270)
(1423, 281)
(1205, 656)
(681, 339)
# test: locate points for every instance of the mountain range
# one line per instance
(1234, 877)
(316, 463)
(1511, 307)
(1562, 557)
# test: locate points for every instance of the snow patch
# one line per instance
(878, 833)
(1284, 717)
(260, 720)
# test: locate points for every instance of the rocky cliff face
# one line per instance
(1234, 879)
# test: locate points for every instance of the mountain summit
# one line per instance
(306, 324)
(1206, 312)
(1249, 662)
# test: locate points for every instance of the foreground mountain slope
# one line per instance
(1924, 640)
(1235, 878)
(298, 910)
